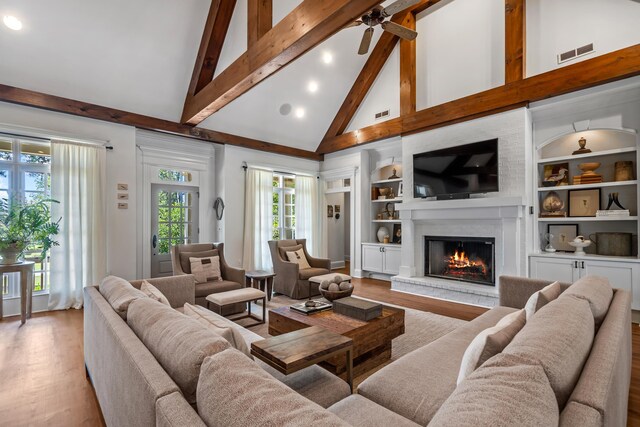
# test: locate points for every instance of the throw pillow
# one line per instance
(206, 269)
(154, 293)
(490, 342)
(218, 324)
(299, 258)
(542, 298)
(119, 293)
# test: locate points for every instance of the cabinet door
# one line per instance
(620, 275)
(391, 260)
(372, 258)
(553, 269)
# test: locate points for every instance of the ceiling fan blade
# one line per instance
(353, 24)
(398, 6)
(366, 41)
(399, 30)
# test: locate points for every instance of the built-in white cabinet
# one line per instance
(621, 274)
(380, 258)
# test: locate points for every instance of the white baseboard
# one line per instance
(11, 306)
(337, 264)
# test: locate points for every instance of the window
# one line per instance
(173, 175)
(25, 174)
(284, 207)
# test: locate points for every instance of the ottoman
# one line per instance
(236, 296)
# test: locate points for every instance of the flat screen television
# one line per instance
(456, 172)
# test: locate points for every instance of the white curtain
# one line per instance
(307, 212)
(258, 219)
(78, 183)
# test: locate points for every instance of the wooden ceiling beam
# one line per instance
(515, 40)
(58, 104)
(259, 20)
(618, 65)
(215, 32)
(408, 69)
(308, 25)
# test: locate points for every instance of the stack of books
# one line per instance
(616, 213)
(587, 179)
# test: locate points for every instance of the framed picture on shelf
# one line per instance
(584, 202)
(400, 190)
(397, 234)
(562, 234)
(556, 174)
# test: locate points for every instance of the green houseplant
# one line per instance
(26, 225)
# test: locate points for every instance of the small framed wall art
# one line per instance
(584, 202)
(330, 211)
(560, 236)
(397, 234)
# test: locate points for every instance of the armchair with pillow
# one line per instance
(200, 260)
(293, 267)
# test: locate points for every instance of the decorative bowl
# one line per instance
(385, 191)
(589, 168)
(334, 295)
(580, 245)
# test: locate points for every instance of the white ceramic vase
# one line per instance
(382, 233)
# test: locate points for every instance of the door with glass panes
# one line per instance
(174, 221)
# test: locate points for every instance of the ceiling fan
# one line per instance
(377, 16)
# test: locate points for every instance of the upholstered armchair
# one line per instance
(290, 280)
(232, 278)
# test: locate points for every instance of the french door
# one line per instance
(174, 221)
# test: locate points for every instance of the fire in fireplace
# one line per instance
(467, 259)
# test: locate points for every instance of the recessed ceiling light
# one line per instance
(299, 113)
(12, 22)
(327, 57)
(312, 86)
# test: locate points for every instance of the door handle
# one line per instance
(575, 264)
(154, 241)
(582, 265)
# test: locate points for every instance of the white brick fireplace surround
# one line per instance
(501, 218)
(502, 215)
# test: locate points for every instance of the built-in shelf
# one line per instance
(387, 181)
(386, 220)
(588, 155)
(583, 186)
(396, 200)
(571, 255)
(589, 219)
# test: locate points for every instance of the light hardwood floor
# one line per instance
(42, 379)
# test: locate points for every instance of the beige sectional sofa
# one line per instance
(570, 365)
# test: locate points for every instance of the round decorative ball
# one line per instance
(345, 286)
(325, 284)
(334, 287)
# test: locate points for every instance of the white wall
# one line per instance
(347, 226)
(231, 188)
(384, 94)
(336, 230)
(460, 50)
(121, 168)
(558, 26)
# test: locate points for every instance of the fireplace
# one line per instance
(466, 259)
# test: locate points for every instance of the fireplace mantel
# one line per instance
(474, 208)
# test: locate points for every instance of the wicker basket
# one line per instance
(334, 295)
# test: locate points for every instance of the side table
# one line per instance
(263, 279)
(25, 269)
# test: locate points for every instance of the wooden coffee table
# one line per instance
(371, 340)
(289, 353)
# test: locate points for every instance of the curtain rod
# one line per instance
(246, 166)
(38, 138)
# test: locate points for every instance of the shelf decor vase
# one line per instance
(382, 233)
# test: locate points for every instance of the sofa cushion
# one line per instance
(577, 414)
(186, 264)
(361, 412)
(490, 342)
(234, 391)
(422, 394)
(178, 342)
(597, 291)
(299, 258)
(506, 391)
(119, 293)
(154, 293)
(284, 249)
(220, 326)
(206, 269)
(204, 289)
(559, 338)
(312, 272)
(541, 298)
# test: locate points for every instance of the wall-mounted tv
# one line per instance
(456, 172)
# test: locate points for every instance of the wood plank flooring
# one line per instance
(42, 379)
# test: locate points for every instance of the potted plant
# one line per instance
(26, 225)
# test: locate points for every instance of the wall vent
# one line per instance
(382, 114)
(575, 53)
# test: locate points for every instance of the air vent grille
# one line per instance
(575, 53)
(382, 114)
